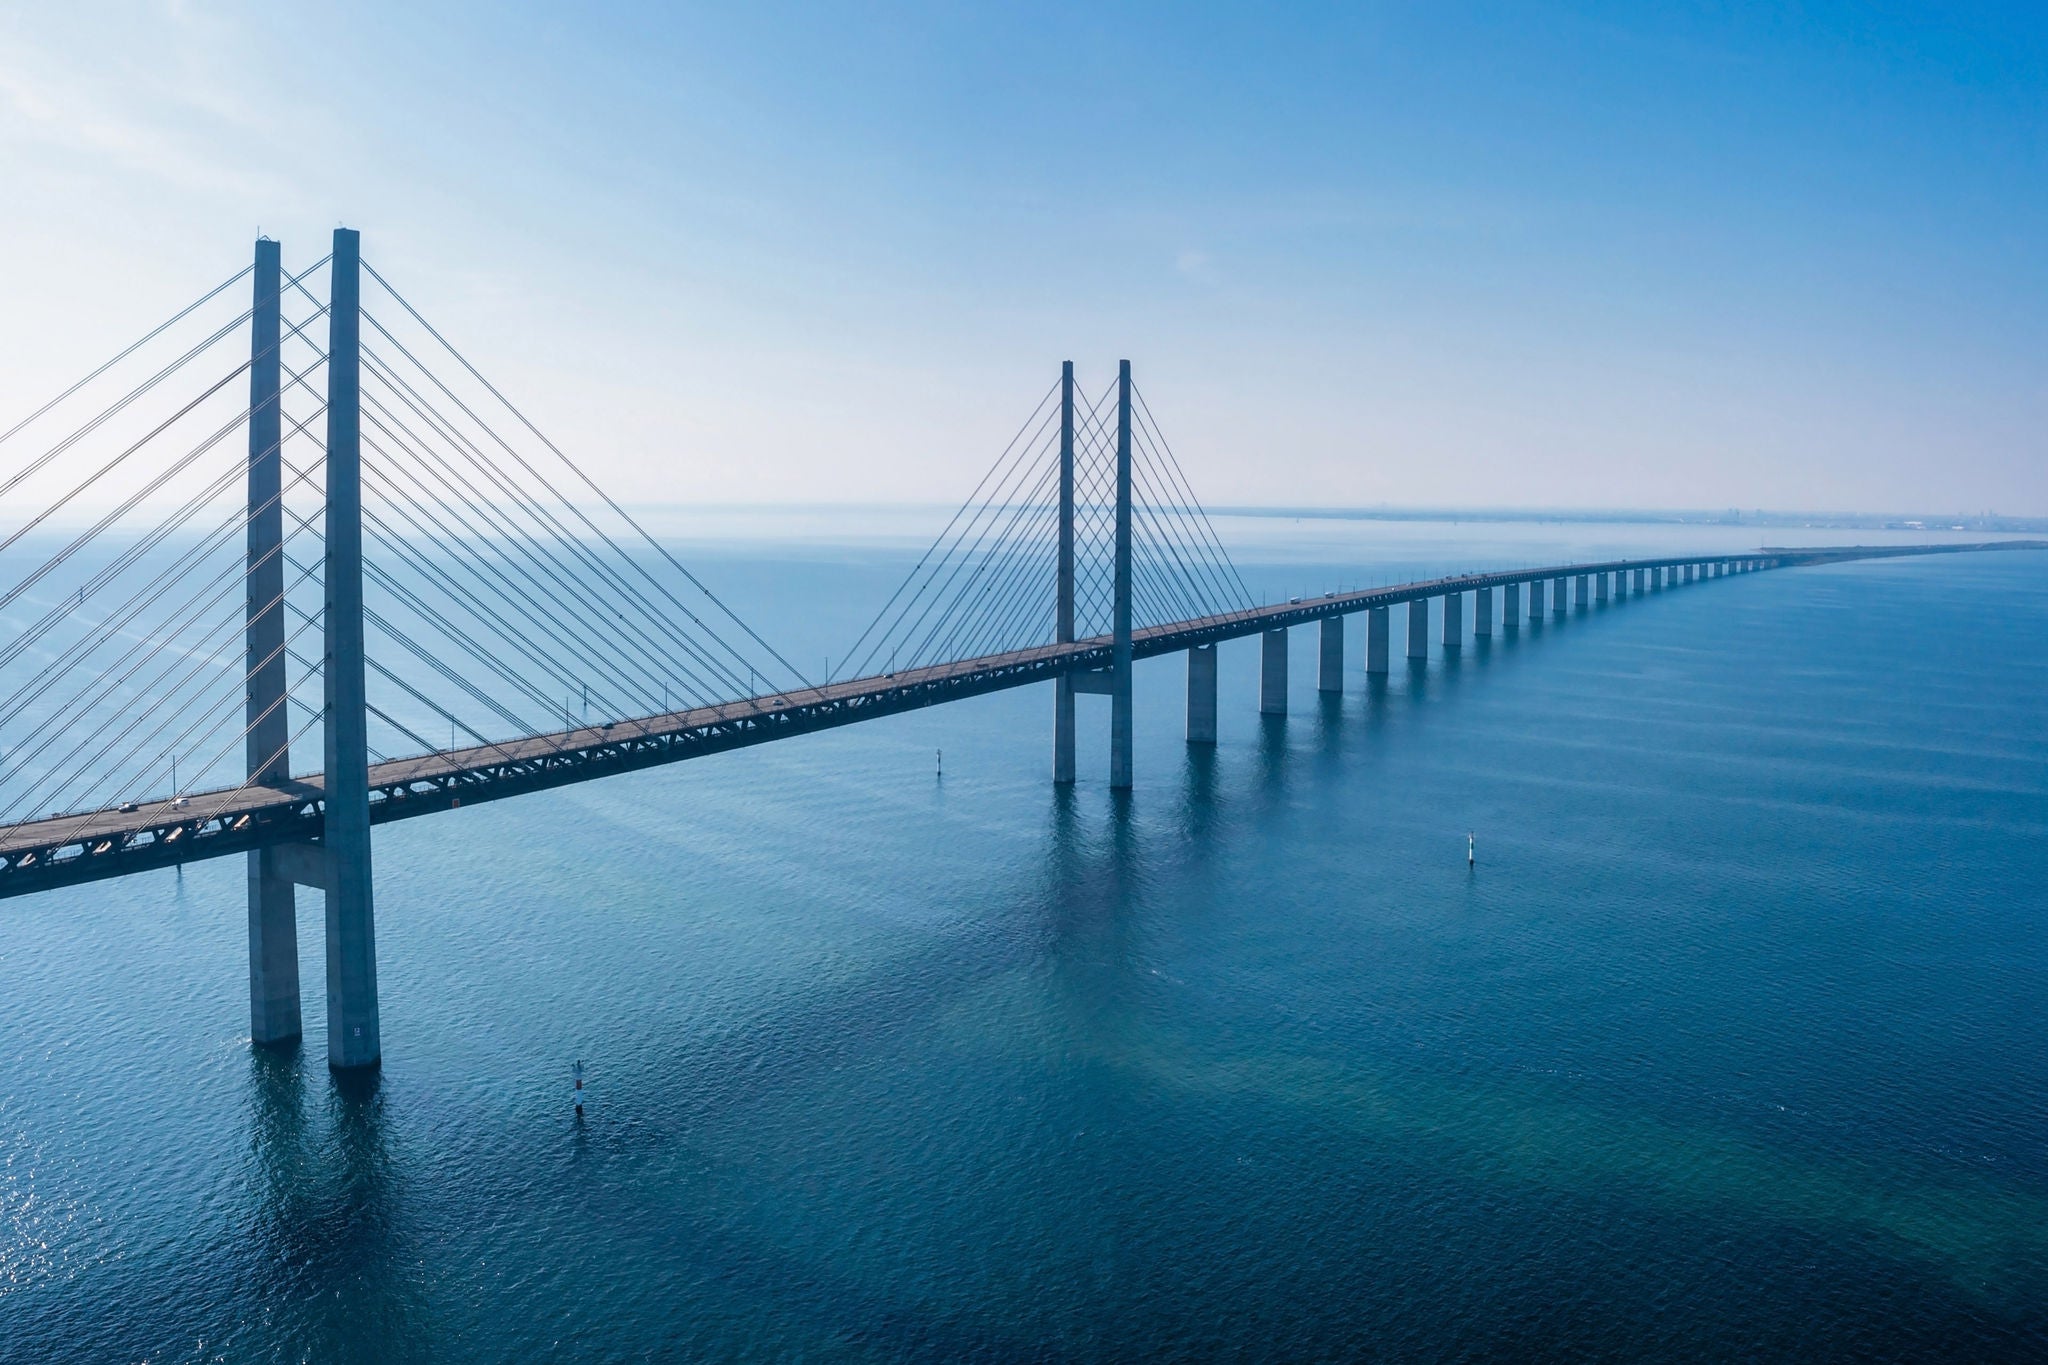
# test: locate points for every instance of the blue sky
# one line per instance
(1529, 255)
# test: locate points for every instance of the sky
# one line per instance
(1431, 254)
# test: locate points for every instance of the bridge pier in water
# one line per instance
(1558, 606)
(1330, 660)
(1114, 680)
(1482, 612)
(1063, 608)
(1535, 600)
(1273, 672)
(1418, 628)
(1120, 634)
(1511, 606)
(352, 1021)
(1202, 694)
(273, 902)
(1376, 631)
(1454, 619)
(339, 865)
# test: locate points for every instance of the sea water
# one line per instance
(1733, 1043)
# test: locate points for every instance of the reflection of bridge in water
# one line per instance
(500, 605)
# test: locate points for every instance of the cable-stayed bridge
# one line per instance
(275, 575)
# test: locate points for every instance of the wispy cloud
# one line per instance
(173, 125)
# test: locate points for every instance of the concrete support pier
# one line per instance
(1600, 589)
(1511, 606)
(1535, 600)
(1063, 608)
(1273, 672)
(1202, 694)
(1454, 619)
(1330, 673)
(273, 901)
(1558, 605)
(1063, 730)
(1579, 593)
(353, 1039)
(1418, 628)
(1376, 631)
(1482, 612)
(1120, 633)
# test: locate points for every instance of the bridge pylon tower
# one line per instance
(339, 864)
(273, 912)
(1115, 679)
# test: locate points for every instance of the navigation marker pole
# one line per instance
(578, 1096)
(1471, 857)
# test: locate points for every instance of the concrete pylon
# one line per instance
(1418, 628)
(1330, 658)
(1063, 587)
(1376, 632)
(352, 1025)
(1535, 600)
(1202, 694)
(1558, 606)
(1120, 635)
(273, 901)
(1511, 606)
(1482, 612)
(1273, 672)
(1454, 623)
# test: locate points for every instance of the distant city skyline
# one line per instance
(1583, 256)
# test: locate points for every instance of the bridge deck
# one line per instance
(88, 845)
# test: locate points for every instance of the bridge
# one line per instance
(507, 593)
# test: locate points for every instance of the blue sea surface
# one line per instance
(1732, 1045)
